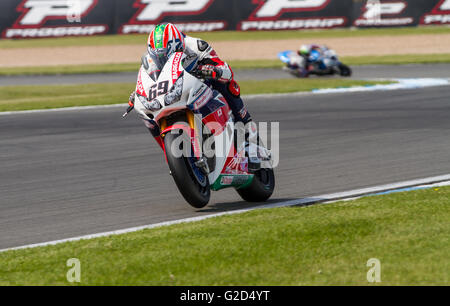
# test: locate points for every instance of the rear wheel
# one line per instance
(190, 180)
(261, 187)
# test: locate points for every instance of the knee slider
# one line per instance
(234, 88)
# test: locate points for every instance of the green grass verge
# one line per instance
(317, 245)
(397, 59)
(116, 68)
(13, 98)
(71, 69)
(296, 85)
(404, 59)
(236, 64)
(222, 36)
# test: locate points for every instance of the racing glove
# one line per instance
(131, 99)
(209, 72)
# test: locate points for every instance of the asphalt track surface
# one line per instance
(72, 173)
(359, 72)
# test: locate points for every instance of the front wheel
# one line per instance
(345, 70)
(191, 182)
(261, 187)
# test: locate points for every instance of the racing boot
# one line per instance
(247, 136)
(251, 147)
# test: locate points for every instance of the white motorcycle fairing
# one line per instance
(193, 95)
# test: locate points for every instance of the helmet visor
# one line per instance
(159, 56)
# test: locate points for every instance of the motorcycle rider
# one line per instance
(203, 62)
(316, 59)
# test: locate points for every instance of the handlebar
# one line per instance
(129, 109)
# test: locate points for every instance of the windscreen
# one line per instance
(158, 56)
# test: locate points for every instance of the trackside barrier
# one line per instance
(56, 18)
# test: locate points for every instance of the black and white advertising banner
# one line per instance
(55, 18)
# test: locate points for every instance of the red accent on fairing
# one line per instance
(160, 141)
(183, 127)
(140, 87)
(187, 129)
(217, 121)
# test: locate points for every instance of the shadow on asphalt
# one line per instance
(227, 206)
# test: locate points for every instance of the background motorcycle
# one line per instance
(321, 64)
(172, 101)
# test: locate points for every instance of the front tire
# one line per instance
(261, 188)
(195, 191)
(345, 70)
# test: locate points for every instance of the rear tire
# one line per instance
(195, 193)
(261, 188)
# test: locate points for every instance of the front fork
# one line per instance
(194, 132)
(197, 133)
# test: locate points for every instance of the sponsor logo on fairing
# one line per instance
(374, 13)
(139, 86)
(176, 66)
(439, 15)
(203, 98)
(241, 179)
(151, 12)
(35, 14)
(226, 180)
(267, 16)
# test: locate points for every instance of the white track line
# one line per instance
(413, 83)
(443, 180)
(63, 109)
(125, 105)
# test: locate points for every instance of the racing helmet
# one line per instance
(163, 41)
(304, 50)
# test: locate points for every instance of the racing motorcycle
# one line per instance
(326, 63)
(198, 135)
